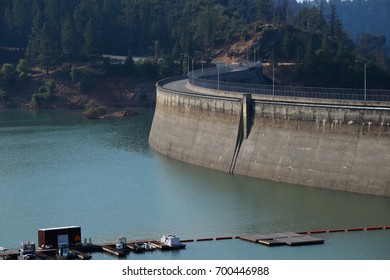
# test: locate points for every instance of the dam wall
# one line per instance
(196, 129)
(344, 148)
(327, 147)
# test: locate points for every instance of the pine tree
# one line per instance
(333, 18)
(308, 61)
(265, 10)
(69, 40)
(176, 51)
(32, 50)
(48, 52)
(21, 20)
(93, 46)
(288, 44)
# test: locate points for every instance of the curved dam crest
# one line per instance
(344, 148)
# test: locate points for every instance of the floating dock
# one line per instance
(82, 251)
(285, 238)
(134, 246)
(164, 247)
(49, 254)
(113, 251)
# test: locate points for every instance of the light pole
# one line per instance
(216, 63)
(254, 54)
(365, 79)
(192, 72)
(202, 58)
(188, 66)
(273, 77)
(217, 66)
(218, 75)
(226, 57)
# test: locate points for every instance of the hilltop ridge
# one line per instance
(307, 58)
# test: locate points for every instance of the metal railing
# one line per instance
(212, 78)
(160, 84)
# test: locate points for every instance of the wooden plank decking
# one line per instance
(113, 251)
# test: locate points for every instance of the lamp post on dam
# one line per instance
(188, 65)
(218, 68)
(365, 78)
(273, 77)
(201, 54)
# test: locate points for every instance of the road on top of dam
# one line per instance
(180, 86)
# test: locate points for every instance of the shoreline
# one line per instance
(111, 92)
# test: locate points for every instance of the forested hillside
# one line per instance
(310, 34)
(365, 16)
(93, 27)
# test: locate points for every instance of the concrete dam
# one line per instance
(323, 138)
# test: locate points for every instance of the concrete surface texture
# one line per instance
(326, 146)
(318, 149)
(196, 130)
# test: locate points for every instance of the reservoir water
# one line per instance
(58, 169)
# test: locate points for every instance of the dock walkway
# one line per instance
(82, 251)
(112, 250)
(285, 238)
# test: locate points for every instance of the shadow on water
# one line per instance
(273, 206)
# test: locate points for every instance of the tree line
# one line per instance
(70, 28)
(365, 16)
(50, 32)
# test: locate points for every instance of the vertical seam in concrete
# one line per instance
(238, 142)
(353, 160)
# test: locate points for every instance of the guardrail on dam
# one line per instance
(335, 144)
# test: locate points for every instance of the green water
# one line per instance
(58, 169)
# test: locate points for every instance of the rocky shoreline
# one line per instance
(111, 92)
(116, 114)
(120, 114)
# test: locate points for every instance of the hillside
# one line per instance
(300, 58)
(306, 42)
(308, 58)
(115, 91)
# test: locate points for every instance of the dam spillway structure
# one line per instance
(318, 137)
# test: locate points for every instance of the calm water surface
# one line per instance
(58, 169)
